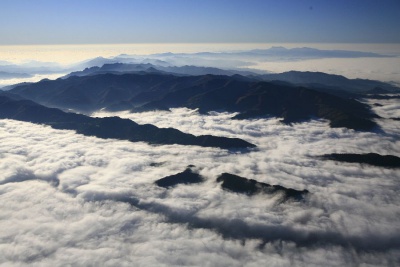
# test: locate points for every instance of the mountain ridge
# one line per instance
(109, 127)
(331, 81)
(144, 92)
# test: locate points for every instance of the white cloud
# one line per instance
(64, 198)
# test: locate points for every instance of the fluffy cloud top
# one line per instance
(70, 199)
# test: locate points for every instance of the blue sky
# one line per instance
(194, 21)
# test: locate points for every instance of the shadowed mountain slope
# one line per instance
(251, 187)
(185, 177)
(143, 92)
(293, 104)
(113, 127)
(374, 159)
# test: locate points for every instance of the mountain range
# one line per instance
(315, 80)
(11, 75)
(275, 53)
(187, 70)
(235, 163)
(111, 127)
(251, 98)
(329, 82)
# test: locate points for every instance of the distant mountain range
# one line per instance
(113, 127)
(231, 62)
(331, 82)
(307, 52)
(275, 53)
(317, 80)
(120, 68)
(143, 91)
(11, 75)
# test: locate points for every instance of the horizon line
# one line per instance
(192, 43)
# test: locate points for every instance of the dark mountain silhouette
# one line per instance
(251, 187)
(11, 95)
(330, 81)
(91, 93)
(12, 86)
(143, 92)
(110, 91)
(113, 127)
(383, 96)
(293, 104)
(374, 159)
(186, 177)
(378, 90)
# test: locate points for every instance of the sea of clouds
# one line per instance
(69, 199)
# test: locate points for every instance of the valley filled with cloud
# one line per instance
(73, 199)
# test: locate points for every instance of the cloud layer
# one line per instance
(70, 199)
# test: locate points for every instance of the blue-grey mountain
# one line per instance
(152, 91)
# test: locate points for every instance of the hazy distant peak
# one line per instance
(278, 48)
(278, 51)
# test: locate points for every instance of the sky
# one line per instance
(206, 21)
